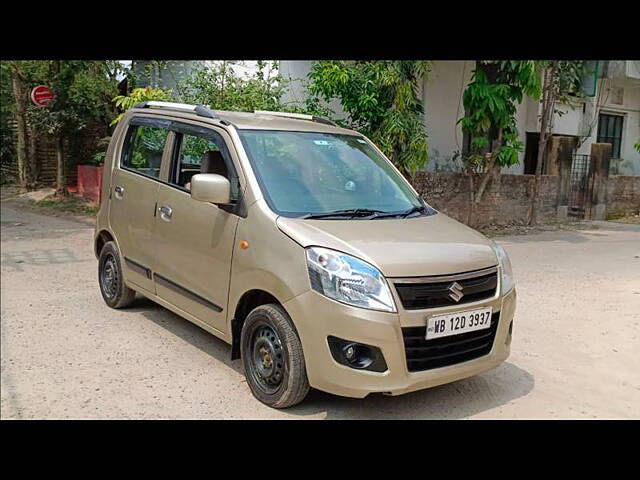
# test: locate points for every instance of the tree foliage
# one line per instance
(220, 87)
(82, 90)
(381, 100)
(7, 113)
(138, 95)
(490, 105)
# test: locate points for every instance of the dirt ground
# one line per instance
(65, 354)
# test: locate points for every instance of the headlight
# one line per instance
(508, 281)
(348, 280)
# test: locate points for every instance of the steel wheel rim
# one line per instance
(109, 276)
(266, 359)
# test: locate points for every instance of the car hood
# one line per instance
(427, 245)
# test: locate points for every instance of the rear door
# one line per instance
(194, 240)
(133, 196)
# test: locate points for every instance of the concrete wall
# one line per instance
(442, 99)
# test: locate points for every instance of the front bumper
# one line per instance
(317, 317)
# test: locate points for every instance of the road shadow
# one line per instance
(460, 399)
(187, 331)
(15, 260)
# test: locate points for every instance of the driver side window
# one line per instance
(200, 150)
(192, 149)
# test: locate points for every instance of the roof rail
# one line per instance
(298, 116)
(199, 110)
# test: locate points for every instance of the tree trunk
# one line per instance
(548, 105)
(60, 170)
(485, 179)
(34, 167)
(490, 168)
(470, 213)
(20, 99)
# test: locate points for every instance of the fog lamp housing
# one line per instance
(357, 355)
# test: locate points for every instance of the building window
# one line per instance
(610, 131)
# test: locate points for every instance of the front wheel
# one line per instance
(273, 358)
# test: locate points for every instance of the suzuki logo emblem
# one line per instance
(455, 290)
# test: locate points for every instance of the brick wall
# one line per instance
(623, 195)
(505, 200)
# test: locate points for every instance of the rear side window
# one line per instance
(143, 149)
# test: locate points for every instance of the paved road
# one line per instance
(575, 354)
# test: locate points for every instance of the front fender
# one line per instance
(271, 261)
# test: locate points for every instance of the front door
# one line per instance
(134, 190)
(194, 240)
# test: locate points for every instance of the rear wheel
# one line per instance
(115, 293)
(273, 358)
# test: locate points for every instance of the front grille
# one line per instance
(425, 354)
(428, 294)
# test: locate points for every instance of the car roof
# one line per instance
(264, 121)
(253, 121)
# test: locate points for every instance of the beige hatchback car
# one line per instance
(301, 245)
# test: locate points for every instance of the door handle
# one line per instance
(119, 191)
(165, 213)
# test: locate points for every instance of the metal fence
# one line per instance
(579, 185)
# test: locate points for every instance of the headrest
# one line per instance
(212, 162)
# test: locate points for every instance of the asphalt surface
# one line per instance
(65, 354)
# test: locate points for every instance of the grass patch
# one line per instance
(624, 217)
(512, 230)
(68, 204)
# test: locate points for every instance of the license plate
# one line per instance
(459, 322)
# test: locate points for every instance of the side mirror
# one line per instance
(211, 187)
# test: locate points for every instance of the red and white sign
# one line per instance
(42, 95)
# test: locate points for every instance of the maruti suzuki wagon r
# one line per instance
(301, 245)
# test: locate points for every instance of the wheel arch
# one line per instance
(101, 238)
(248, 301)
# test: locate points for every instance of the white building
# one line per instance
(611, 114)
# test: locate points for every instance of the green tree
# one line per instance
(138, 95)
(20, 75)
(83, 90)
(490, 101)
(7, 113)
(381, 99)
(220, 87)
(561, 83)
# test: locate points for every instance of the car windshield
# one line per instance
(315, 174)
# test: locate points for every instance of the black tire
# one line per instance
(115, 293)
(272, 357)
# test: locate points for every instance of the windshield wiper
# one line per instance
(351, 213)
(402, 213)
(420, 208)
